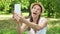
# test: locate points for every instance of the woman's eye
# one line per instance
(38, 9)
(34, 8)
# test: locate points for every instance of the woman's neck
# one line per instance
(35, 19)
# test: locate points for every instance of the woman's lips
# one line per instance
(34, 13)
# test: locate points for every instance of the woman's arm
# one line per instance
(24, 27)
(33, 25)
(19, 28)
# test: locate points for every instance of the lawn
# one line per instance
(8, 26)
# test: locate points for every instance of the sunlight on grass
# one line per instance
(8, 26)
(6, 17)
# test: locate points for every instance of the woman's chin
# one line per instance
(34, 16)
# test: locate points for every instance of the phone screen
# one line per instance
(17, 8)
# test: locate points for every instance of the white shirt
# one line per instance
(42, 31)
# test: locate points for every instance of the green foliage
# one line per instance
(25, 4)
(52, 7)
(4, 4)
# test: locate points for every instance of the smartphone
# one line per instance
(17, 9)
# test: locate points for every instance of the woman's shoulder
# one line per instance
(43, 19)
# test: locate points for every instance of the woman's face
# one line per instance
(35, 11)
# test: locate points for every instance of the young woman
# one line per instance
(35, 24)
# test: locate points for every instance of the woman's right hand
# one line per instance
(16, 18)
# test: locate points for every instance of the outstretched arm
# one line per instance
(33, 25)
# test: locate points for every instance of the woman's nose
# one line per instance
(35, 11)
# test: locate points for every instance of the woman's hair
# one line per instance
(42, 10)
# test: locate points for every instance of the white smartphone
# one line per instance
(17, 9)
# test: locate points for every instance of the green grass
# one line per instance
(8, 26)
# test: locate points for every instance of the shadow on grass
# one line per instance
(53, 30)
(9, 27)
(53, 27)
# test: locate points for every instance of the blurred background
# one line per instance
(52, 12)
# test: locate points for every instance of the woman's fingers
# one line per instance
(15, 17)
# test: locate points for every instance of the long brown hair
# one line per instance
(31, 19)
